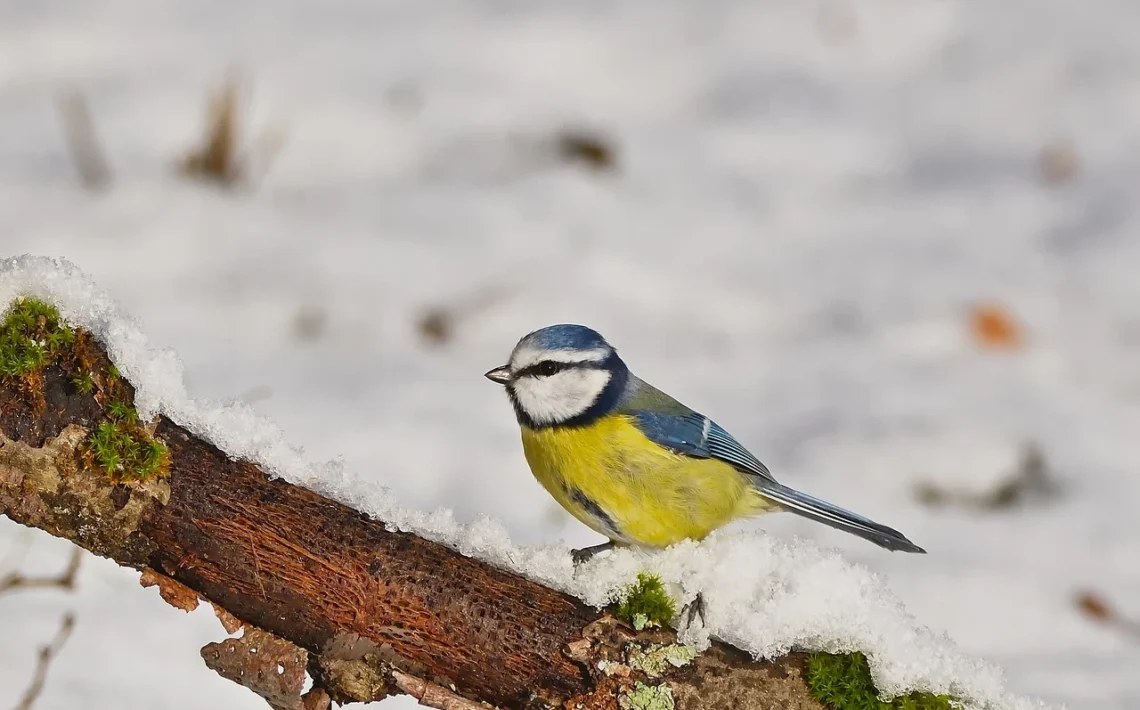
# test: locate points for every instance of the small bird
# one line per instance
(634, 464)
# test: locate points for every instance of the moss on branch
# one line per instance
(33, 337)
(844, 682)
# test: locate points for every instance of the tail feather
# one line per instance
(828, 514)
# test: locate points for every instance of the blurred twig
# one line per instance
(83, 144)
(47, 653)
(65, 580)
(1030, 478)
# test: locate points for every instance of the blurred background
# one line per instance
(890, 244)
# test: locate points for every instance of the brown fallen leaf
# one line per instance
(173, 593)
(1096, 607)
(994, 327)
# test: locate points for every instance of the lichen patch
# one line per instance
(647, 697)
(48, 487)
(655, 659)
(38, 465)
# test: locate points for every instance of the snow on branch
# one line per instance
(100, 444)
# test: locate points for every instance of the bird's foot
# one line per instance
(584, 554)
(692, 611)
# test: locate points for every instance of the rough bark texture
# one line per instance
(368, 611)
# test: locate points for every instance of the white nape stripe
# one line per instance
(527, 356)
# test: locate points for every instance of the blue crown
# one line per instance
(566, 336)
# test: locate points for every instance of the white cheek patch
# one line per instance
(525, 356)
(562, 396)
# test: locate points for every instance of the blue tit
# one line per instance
(633, 463)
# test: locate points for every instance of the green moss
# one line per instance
(646, 603)
(127, 452)
(122, 412)
(648, 697)
(120, 446)
(844, 682)
(31, 336)
(84, 383)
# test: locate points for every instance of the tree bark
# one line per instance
(371, 612)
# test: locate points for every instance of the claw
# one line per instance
(584, 554)
(694, 609)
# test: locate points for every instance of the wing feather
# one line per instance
(671, 424)
(722, 446)
(698, 436)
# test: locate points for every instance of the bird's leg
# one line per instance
(580, 556)
(694, 609)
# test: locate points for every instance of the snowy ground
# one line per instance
(809, 198)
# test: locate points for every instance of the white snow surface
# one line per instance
(761, 595)
(809, 198)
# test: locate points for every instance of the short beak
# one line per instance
(502, 375)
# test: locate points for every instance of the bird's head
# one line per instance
(562, 375)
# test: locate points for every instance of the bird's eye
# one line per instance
(548, 368)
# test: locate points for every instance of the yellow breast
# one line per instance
(614, 479)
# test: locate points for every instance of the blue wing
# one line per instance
(670, 424)
(696, 435)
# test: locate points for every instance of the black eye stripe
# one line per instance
(546, 368)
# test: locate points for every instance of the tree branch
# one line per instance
(47, 653)
(364, 610)
(65, 580)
